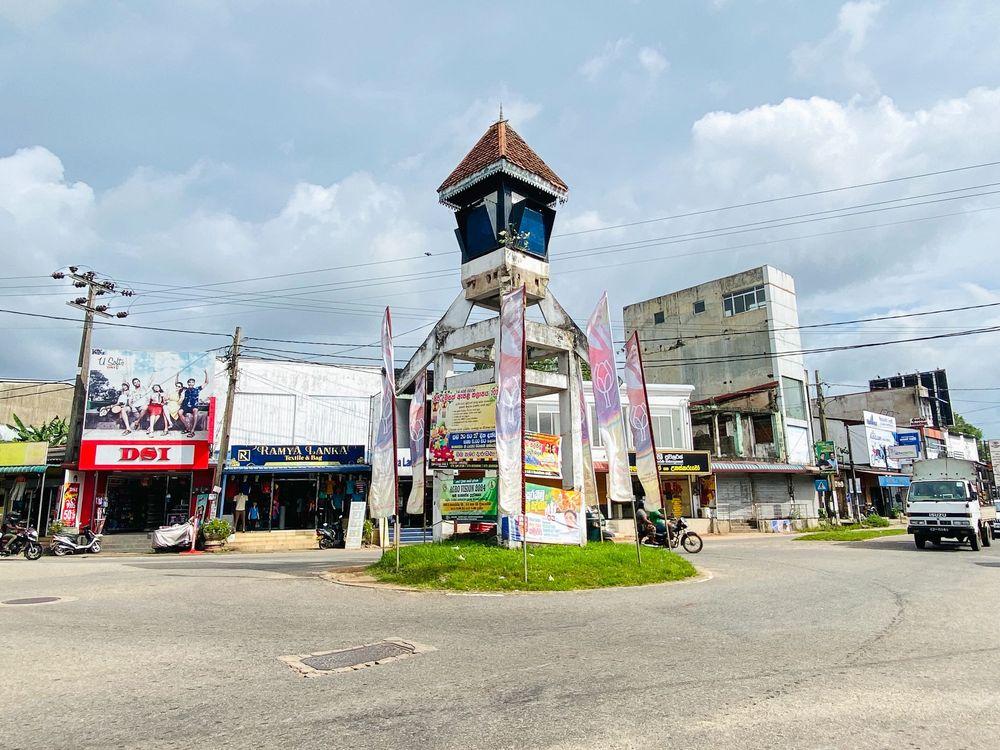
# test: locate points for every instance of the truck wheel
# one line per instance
(987, 537)
(920, 541)
(974, 541)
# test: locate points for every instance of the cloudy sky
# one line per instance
(179, 147)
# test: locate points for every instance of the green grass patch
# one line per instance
(475, 566)
(848, 535)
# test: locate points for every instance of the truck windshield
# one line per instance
(938, 491)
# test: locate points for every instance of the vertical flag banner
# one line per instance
(641, 422)
(607, 397)
(382, 498)
(590, 496)
(510, 404)
(418, 445)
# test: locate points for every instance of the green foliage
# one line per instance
(875, 521)
(963, 427)
(513, 239)
(368, 532)
(56, 527)
(217, 530)
(474, 566)
(848, 535)
(53, 432)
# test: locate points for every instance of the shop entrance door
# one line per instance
(143, 502)
(295, 503)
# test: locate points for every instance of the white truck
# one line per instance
(944, 503)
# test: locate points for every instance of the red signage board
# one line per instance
(143, 456)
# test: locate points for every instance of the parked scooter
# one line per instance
(64, 544)
(331, 536)
(16, 539)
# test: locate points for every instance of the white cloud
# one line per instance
(596, 65)
(837, 57)
(617, 56)
(652, 61)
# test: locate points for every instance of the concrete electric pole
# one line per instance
(227, 414)
(95, 288)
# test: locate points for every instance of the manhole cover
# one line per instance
(357, 657)
(33, 600)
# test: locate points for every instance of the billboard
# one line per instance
(305, 458)
(555, 516)
(463, 434)
(148, 410)
(880, 434)
(466, 500)
(994, 448)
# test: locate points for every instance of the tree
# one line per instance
(53, 432)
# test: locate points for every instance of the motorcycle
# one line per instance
(15, 539)
(680, 536)
(331, 536)
(63, 544)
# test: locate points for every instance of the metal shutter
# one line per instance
(733, 498)
(770, 493)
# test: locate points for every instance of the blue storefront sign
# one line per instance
(908, 438)
(893, 481)
(248, 459)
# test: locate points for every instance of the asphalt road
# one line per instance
(789, 645)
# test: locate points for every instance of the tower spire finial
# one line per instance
(500, 119)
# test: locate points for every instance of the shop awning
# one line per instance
(760, 467)
(348, 469)
(22, 469)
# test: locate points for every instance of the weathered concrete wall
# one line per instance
(902, 403)
(34, 403)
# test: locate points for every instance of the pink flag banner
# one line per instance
(510, 404)
(590, 497)
(418, 445)
(641, 422)
(383, 497)
(608, 400)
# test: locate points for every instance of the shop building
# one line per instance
(298, 444)
(30, 483)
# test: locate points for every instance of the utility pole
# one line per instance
(227, 415)
(824, 434)
(95, 288)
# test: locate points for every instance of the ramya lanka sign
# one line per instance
(296, 456)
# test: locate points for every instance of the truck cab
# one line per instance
(944, 504)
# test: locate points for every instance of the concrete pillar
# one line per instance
(444, 365)
(569, 423)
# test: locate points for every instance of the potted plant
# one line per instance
(216, 532)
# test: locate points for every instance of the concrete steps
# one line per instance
(273, 541)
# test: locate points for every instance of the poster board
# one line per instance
(355, 526)
(469, 500)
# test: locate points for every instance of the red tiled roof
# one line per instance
(501, 141)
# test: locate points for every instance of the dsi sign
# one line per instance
(294, 457)
(143, 456)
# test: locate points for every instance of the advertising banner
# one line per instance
(590, 496)
(23, 454)
(555, 516)
(542, 455)
(826, 456)
(147, 410)
(902, 452)
(994, 448)
(463, 428)
(267, 458)
(382, 498)
(418, 445)
(70, 504)
(355, 526)
(608, 401)
(467, 500)
(510, 403)
(880, 433)
(640, 422)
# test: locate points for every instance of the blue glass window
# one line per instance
(533, 223)
(480, 236)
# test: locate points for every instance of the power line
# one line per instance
(114, 325)
(750, 204)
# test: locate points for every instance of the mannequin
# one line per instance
(240, 513)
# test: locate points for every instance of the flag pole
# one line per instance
(524, 389)
(395, 464)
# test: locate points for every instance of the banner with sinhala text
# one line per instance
(639, 420)
(510, 404)
(590, 496)
(608, 400)
(382, 496)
